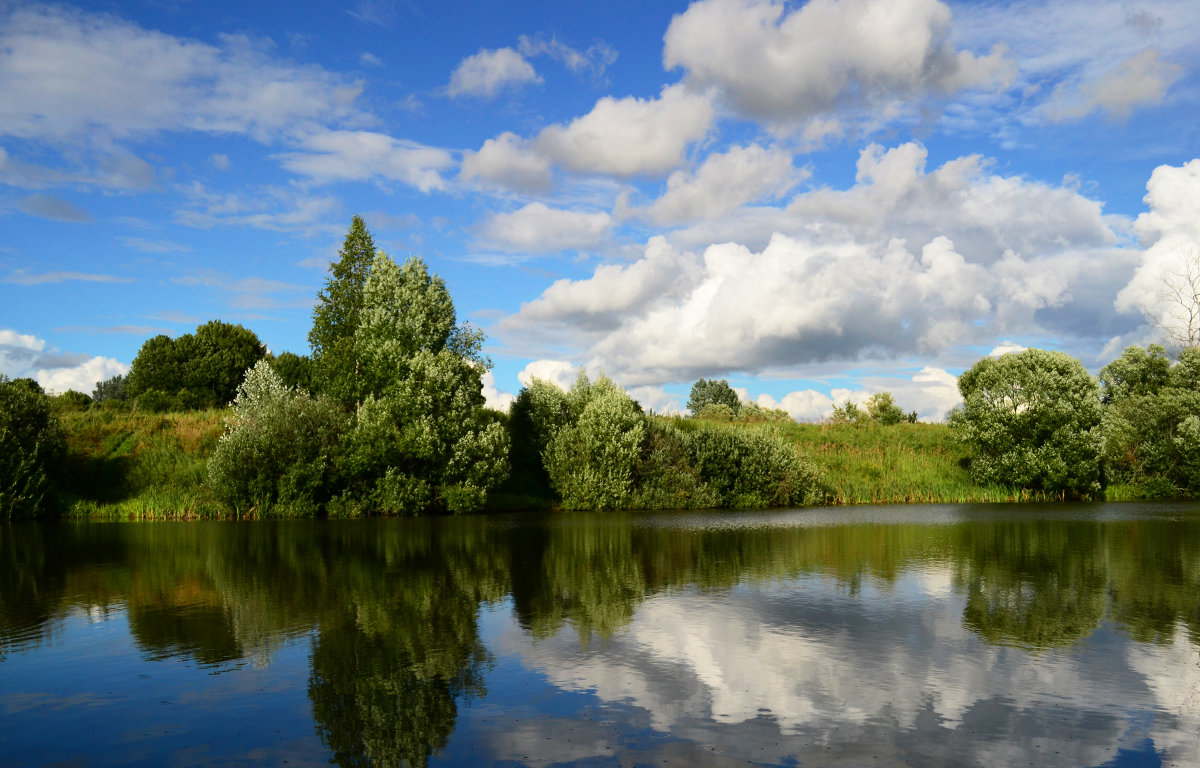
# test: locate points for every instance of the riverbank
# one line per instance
(124, 465)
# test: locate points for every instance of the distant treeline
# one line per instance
(386, 416)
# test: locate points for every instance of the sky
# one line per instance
(816, 201)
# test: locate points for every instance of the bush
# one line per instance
(753, 468)
(1032, 419)
(114, 389)
(590, 461)
(31, 445)
(712, 392)
(72, 400)
(277, 455)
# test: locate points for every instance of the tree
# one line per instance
(712, 392)
(277, 454)
(31, 444)
(1151, 411)
(882, 407)
(336, 318)
(197, 370)
(1033, 420)
(115, 388)
(295, 370)
(422, 438)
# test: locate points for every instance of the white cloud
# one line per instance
(508, 161)
(220, 162)
(23, 277)
(630, 136)
(271, 208)
(1139, 81)
(24, 355)
(68, 76)
(488, 72)
(1075, 56)
(598, 57)
(365, 155)
(1005, 347)
(537, 228)
(904, 263)
(493, 398)
(153, 246)
(724, 182)
(789, 65)
(931, 392)
(1171, 231)
(558, 372)
(368, 59)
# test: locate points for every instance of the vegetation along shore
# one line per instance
(386, 417)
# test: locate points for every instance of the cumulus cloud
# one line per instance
(724, 182)
(903, 264)
(508, 161)
(630, 136)
(365, 156)
(492, 397)
(1171, 231)
(537, 228)
(69, 76)
(490, 71)
(930, 392)
(784, 65)
(271, 208)
(24, 355)
(558, 372)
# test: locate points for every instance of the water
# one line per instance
(886, 636)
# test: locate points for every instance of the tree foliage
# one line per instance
(196, 370)
(336, 318)
(1151, 417)
(295, 370)
(712, 392)
(277, 453)
(422, 439)
(600, 451)
(31, 444)
(1033, 421)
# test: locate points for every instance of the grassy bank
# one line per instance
(138, 466)
(898, 464)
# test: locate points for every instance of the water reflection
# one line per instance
(927, 636)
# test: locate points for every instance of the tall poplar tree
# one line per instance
(337, 364)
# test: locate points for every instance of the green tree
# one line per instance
(336, 318)
(591, 461)
(1151, 411)
(31, 444)
(295, 370)
(712, 391)
(216, 357)
(277, 455)
(422, 439)
(115, 388)
(197, 370)
(1033, 421)
(882, 407)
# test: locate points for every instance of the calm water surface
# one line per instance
(914, 636)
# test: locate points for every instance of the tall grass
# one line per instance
(138, 466)
(903, 463)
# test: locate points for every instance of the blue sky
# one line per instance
(814, 200)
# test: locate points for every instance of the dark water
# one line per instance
(917, 636)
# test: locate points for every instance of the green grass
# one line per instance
(899, 464)
(138, 466)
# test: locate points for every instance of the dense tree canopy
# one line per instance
(1033, 421)
(31, 442)
(196, 370)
